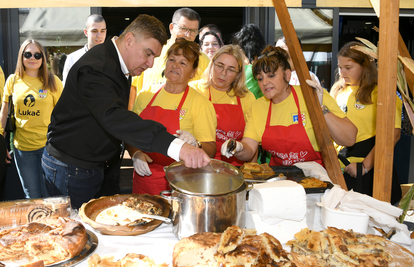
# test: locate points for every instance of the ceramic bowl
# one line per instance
(89, 211)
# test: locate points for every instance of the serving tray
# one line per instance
(292, 173)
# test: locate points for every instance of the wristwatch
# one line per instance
(325, 110)
(199, 145)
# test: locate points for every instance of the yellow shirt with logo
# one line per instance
(197, 115)
(32, 108)
(153, 76)
(363, 116)
(221, 97)
(285, 113)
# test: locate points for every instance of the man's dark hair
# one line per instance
(250, 40)
(148, 27)
(187, 13)
(212, 28)
(94, 18)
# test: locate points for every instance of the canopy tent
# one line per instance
(56, 26)
(308, 26)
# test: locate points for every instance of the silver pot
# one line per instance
(203, 200)
(193, 214)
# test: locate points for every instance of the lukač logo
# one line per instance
(29, 101)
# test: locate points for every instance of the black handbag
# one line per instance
(11, 120)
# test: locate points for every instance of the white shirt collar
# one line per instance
(121, 60)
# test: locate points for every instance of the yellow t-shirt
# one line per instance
(363, 116)
(285, 113)
(197, 117)
(152, 77)
(221, 97)
(32, 108)
(2, 79)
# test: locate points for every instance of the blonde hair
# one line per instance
(239, 83)
(369, 78)
(44, 75)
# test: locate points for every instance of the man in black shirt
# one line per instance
(91, 118)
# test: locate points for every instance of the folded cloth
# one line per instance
(283, 231)
(313, 169)
(382, 214)
(278, 201)
(332, 197)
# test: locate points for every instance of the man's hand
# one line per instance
(140, 161)
(193, 157)
(186, 137)
(318, 88)
(231, 147)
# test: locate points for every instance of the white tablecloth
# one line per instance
(159, 243)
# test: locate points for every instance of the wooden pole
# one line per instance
(387, 84)
(315, 112)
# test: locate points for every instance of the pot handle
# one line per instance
(166, 194)
(249, 186)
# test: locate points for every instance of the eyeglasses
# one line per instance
(28, 55)
(184, 30)
(267, 55)
(221, 68)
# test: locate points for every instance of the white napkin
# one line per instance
(284, 231)
(382, 214)
(278, 201)
(332, 197)
(313, 169)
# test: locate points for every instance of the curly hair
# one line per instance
(189, 49)
(369, 78)
(250, 40)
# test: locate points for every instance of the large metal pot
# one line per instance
(197, 206)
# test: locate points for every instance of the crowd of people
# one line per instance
(168, 99)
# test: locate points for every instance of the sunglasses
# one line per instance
(28, 55)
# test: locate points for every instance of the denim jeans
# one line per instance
(29, 168)
(80, 184)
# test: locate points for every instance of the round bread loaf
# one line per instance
(196, 250)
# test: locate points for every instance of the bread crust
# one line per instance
(51, 240)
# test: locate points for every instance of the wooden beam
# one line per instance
(319, 124)
(402, 48)
(387, 84)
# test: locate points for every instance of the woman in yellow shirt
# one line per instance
(356, 93)
(181, 109)
(280, 119)
(35, 93)
(224, 85)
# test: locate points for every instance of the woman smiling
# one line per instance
(181, 109)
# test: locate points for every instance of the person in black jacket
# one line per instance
(91, 118)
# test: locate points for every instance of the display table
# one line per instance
(159, 243)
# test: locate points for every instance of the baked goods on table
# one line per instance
(311, 182)
(253, 170)
(51, 240)
(234, 247)
(130, 260)
(129, 212)
(338, 247)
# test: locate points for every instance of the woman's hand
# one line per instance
(8, 157)
(186, 137)
(351, 169)
(140, 161)
(231, 147)
(318, 88)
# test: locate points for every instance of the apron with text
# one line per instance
(230, 125)
(288, 144)
(157, 182)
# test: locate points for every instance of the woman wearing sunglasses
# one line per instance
(224, 85)
(35, 92)
(280, 119)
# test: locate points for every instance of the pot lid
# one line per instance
(217, 178)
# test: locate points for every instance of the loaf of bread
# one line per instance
(20, 212)
(196, 250)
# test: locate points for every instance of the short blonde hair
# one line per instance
(239, 83)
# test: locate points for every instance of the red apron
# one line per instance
(288, 144)
(230, 124)
(157, 182)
